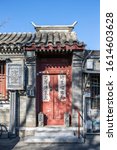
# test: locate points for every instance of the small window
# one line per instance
(95, 91)
(3, 93)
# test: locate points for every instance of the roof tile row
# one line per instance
(25, 39)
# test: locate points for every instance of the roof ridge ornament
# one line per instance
(74, 23)
(54, 28)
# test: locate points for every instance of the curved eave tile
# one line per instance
(41, 41)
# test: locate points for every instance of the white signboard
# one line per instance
(45, 87)
(89, 64)
(15, 76)
(62, 87)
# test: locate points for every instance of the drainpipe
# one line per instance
(84, 116)
(78, 124)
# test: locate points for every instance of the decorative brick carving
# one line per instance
(15, 76)
(66, 119)
(40, 119)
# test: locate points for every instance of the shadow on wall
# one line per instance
(4, 116)
(28, 105)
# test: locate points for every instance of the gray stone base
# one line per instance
(51, 135)
(58, 139)
(23, 133)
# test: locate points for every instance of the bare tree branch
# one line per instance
(3, 23)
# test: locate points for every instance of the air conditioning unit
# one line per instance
(90, 64)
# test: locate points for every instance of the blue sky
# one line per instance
(17, 15)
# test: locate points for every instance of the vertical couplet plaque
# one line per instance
(62, 87)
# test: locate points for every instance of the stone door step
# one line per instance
(52, 139)
(56, 128)
(54, 133)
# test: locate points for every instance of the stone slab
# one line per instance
(58, 139)
(54, 135)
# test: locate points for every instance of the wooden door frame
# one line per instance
(40, 72)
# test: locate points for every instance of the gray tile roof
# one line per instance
(44, 40)
(57, 37)
(92, 53)
(26, 39)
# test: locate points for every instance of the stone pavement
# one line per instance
(91, 143)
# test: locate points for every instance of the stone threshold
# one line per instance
(52, 134)
(49, 128)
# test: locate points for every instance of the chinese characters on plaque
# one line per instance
(62, 87)
(45, 87)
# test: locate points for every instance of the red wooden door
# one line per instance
(54, 98)
(3, 92)
(55, 92)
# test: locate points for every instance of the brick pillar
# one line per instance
(31, 99)
(77, 102)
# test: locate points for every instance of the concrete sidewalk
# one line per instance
(9, 143)
(91, 143)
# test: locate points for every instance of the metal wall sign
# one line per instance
(45, 87)
(90, 64)
(62, 86)
(15, 76)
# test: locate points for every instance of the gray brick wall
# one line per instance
(76, 87)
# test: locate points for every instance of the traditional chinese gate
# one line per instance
(54, 89)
